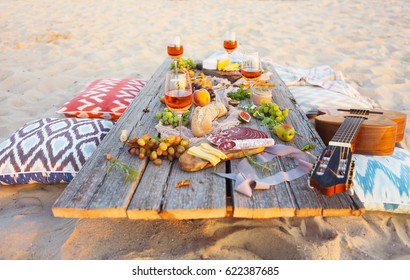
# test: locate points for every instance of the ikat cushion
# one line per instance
(383, 182)
(50, 150)
(103, 98)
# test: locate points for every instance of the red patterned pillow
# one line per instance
(103, 98)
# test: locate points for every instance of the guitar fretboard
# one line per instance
(347, 131)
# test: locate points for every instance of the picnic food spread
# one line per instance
(216, 146)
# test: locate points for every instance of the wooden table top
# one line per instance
(94, 194)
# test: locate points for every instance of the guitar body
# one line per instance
(377, 135)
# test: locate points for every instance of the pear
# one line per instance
(285, 132)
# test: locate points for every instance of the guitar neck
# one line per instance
(347, 132)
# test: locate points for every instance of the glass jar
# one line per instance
(261, 93)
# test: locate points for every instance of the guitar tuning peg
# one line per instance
(353, 163)
(350, 191)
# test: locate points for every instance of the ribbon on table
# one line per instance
(247, 180)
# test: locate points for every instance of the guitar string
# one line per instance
(346, 136)
(355, 123)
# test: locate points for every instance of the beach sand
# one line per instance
(49, 50)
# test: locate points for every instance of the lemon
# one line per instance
(223, 63)
(231, 67)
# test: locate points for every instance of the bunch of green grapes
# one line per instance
(270, 114)
(184, 63)
(167, 117)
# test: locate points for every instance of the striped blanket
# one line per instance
(321, 87)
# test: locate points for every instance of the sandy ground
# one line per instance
(50, 49)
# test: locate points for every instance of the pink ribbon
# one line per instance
(247, 180)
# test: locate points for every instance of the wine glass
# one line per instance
(178, 93)
(175, 50)
(230, 42)
(251, 68)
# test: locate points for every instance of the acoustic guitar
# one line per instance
(352, 131)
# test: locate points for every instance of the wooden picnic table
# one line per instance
(95, 194)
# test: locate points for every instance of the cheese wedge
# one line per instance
(211, 150)
(198, 152)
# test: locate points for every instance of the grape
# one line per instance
(168, 115)
(184, 143)
(171, 151)
(131, 151)
(180, 149)
(177, 140)
(158, 115)
(153, 155)
(157, 162)
(163, 146)
(141, 142)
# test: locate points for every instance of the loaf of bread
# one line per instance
(202, 118)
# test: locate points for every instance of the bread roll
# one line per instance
(201, 123)
(221, 108)
(202, 118)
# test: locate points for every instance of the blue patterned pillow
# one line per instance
(383, 182)
(50, 150)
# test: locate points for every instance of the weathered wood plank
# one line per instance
(275, 202)
(148, 198)
(93, 193)
(272, 203)
(204, 198)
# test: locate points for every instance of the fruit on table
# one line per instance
(201, 97)
(285, 132)
(167, 117)
(223, 63)
(231, 67)
(233, 102)
(157, 149)
(244, 117)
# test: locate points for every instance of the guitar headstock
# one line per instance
(334, 171)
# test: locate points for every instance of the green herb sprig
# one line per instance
(130, 174)
(266, 167)
(240, 94)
